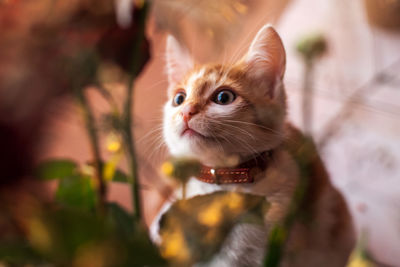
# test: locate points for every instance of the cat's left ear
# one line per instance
(179, 61)
(266, 58)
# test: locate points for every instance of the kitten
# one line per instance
(216, 113)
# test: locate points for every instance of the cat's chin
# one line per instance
(192, 134)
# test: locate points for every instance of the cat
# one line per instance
(224, 115)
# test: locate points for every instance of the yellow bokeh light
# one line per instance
(167, 168)
(113, 143)
(241, 8)
(359, 262)
(113, 146)
(227, 13)
(235, 201)
(211, 215)
(174, 246)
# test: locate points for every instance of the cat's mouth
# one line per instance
(189, 132)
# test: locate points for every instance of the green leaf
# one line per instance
(56, 169)
(69, 232)
(276, 242)
(120, 219)
(133, 238)
(77, 191)
(193, 230)
(120, 176)
(18, 253)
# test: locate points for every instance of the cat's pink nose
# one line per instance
(188, 111)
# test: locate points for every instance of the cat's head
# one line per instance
(218, 112)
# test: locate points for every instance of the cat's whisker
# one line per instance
(272, 131)
(218, 142)
(151, 138)
(227, 125)
(254, 124)
(158, 149)
(234, 137)
(239, 129)
(165, 80)
(153, 131)
(149, 147)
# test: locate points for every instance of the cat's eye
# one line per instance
(224, 97)
(179, 98)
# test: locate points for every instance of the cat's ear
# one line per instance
(266, 58)
(179, 61)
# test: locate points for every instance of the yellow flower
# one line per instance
(113, 143)
(357, 259)
(359, 262)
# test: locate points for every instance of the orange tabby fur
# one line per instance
(254, 122)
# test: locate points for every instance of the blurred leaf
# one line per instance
(181, 169)
(142, 251)
(137, 243)
(18, 253)
(304, 152)
(56, 169)
(80, 238)
(68, 230)
(78, 192)
(276, 241)
(109, 169)
(193, 230)
(120, 176)
(120, 219)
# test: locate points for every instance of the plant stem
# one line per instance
(128, 107)
(307, 97)
(304, 157)
(358, 95)
(95, 148)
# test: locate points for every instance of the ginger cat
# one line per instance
(224, 115)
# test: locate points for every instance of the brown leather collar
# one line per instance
(243, 173)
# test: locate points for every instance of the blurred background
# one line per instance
(355, 97)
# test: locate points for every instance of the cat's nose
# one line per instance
(188, 111)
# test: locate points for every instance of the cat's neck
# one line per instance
(218, 159)
(233, 160)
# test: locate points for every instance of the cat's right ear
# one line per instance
(179, 61)
(266, 58)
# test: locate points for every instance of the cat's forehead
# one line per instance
(208, 77)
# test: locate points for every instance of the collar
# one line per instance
(243, 173)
